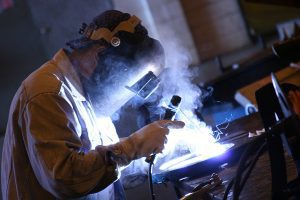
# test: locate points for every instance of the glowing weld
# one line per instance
(190, 159)
(192, 144)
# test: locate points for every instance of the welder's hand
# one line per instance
(294, 97)
(146, 141)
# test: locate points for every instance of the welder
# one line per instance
(60, 142)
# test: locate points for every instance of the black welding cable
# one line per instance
(239, 173)
(252, 147)
(251, 166)
(243, 161)
(150, 178)
(260, 141)
(229, 186)
(231, 182)
(262, 149)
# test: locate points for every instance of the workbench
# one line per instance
(258, 185)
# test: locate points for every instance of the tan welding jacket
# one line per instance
(41, 156)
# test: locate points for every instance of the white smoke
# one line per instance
(177, 77)
(196, 141)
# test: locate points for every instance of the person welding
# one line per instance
(60, 142)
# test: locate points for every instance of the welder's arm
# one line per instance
(144, 142)
(52, 144)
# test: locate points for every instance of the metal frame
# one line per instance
(282, 126)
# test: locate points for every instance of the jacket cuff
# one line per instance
(121, 153)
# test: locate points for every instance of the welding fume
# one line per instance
(183, 147)
(152, 93)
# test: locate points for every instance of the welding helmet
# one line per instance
(129, 53)
(124, 38)
(104, 29)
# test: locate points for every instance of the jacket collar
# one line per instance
(71, 77)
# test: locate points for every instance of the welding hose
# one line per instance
(229, 186)
(228, 189)
(238, 184)
(262, 143)
(150, 176)
(242, 181)
(231, 182)
(262, 149)
(150, 159)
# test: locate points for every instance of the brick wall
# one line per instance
(217, 26)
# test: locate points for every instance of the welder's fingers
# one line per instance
(160, 145)
(171, 124)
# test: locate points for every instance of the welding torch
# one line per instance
(144, 87)
(170, 114)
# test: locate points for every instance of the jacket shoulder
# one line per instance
(46, 79)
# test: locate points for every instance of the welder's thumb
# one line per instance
(148, 140)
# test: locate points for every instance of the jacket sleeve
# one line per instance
(52, 144)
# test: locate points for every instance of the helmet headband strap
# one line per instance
(104, 33)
